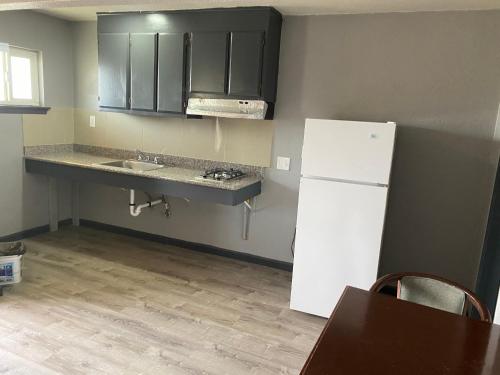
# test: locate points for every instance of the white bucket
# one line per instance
(10, 269)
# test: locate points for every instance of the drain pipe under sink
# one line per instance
(136, 209)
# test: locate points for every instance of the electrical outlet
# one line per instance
(92, 121)
(283, 163)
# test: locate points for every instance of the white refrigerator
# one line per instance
(346, 166)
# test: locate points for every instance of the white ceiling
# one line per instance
(82, 10)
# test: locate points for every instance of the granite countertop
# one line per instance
(169, 173)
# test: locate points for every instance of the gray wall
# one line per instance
(23, 198)
(436, 74)
(53, 37)
(86, 74)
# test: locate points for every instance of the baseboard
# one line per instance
(31, 232)
(189, 245)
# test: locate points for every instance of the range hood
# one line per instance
(230, 108)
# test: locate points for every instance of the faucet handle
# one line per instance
(140, 155)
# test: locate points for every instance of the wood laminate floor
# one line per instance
(93, 302)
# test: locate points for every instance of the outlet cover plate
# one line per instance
(283, 163)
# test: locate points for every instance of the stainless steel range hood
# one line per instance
(248, 109)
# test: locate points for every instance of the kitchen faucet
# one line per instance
(141, 156)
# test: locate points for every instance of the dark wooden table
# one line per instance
(371, 334)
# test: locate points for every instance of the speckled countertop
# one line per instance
(169, 173)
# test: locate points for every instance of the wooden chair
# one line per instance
(433, 291)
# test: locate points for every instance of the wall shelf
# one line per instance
(24, 109)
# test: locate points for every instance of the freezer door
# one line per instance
(339, 234)
(348, 150)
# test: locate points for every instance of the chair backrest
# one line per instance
(433, 291)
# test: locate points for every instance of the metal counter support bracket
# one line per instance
(53, 205)
(248, 208)
(75, 203)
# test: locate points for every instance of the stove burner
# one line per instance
(223, 174)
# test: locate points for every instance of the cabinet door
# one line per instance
(208, 62)
(171, 61)
(245, 69)
(142, 71)
(113, 70)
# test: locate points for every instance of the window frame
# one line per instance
(3, 72)
(34, 57)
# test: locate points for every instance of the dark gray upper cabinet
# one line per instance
(171, 72)
(154, 61)
(143, 72)
(208, 63)
(245, 64)
(113, 57)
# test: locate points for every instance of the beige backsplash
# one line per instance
(56, 127)
(237, 141)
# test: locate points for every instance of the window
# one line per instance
(19, 76)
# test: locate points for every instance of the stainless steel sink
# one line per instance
(135, 165)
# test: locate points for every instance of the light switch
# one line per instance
(283, 163)
(92, 121)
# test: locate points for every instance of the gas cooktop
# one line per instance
(220, 174)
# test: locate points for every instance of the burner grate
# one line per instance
(219, 174)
